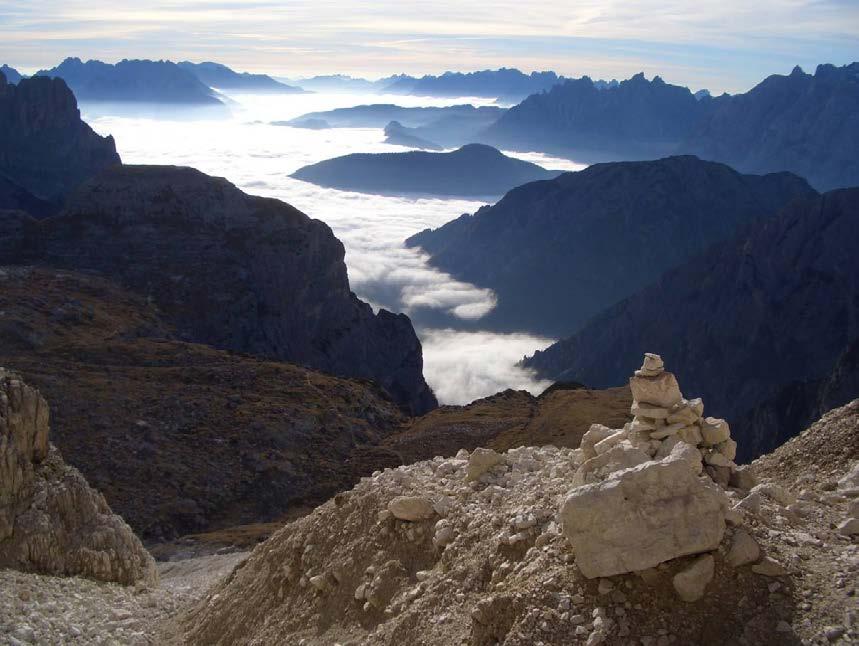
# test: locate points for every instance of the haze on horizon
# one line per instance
(723, 45)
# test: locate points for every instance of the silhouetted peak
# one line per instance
(797, 71)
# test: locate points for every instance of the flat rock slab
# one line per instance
(643, 516)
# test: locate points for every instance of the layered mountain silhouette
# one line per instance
(558, 252)
(46, 151)
(132, 80)
(636, 119)
(222, 77)
(473, 170)
(449, 126)
(804, 123)
(768, 315)
(507, 84)
(399, 135)
(237, 272)
(12, 75)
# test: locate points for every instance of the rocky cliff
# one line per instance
(770, 308)
(51, 521)
(45, 148)
(558, 252)
(472, 170)
(804, 123)
(238, 272)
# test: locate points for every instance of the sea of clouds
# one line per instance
(461, 362)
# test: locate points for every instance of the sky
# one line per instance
(722, 45)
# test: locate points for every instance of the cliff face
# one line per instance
(45, 148)
(557, 252)
(764, 312)
(238, 272)
(803, 123)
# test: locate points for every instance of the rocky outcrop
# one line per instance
(641, 499)
(769, 289)
(592, 238)
(476, 549)
(472, 170)
(802, 123)
(51, 521)
(237, 272)
(45, 148)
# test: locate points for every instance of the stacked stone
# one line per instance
(663, 418)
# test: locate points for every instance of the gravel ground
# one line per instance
(36, 609)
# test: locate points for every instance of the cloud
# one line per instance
(464, 366)
(724, 44)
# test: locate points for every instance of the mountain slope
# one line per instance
(12, 75)
(45, 148)
(222, 77)
(591, 238)
(776, 305)
(469, 171)
(238, 272)
(132, 80)
(803, 123)
(636, 119)
(504, 83)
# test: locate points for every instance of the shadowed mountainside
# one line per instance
(222, 77)
(238, 272)
(472, 170)
(132, 80)
(591, 238)
(756, 318)
(45, 149)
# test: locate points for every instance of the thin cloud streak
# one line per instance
(608, 38)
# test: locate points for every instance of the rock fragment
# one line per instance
(691, 582)
(411, 508)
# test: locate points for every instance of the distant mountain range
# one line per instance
(764, 318)
(473, 170)
(449, 126)
(804, 123)
(46, 151)
(222, 77)
(509, 85)
(12, 75)
(341, 83)
(399, 135)
(807, 124)
(636, 119)
(558, 252)
(132, 80)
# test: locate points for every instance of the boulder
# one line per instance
(621, 456)
(51, 520)
(411, 508)
(596, 433)
(480, 461)
(743, 477)
(744, 549)
(661, 391)
(715, 431)
(643, 516)
(691, 582)
(849, 527)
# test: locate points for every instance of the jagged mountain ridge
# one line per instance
(241, 273)
(222, 77)
(12, 75)
(141, 81)
(45, 148)
(591, 238)
(772, 306)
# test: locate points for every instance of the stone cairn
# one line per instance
(654, 490)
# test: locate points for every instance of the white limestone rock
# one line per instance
(640, 517)
(621, 456)
(744, 549)
(596, 433)
(411, 508)
(691, 583)
(480, 461)
(662, 390)
(651, 412)
(715, 431)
